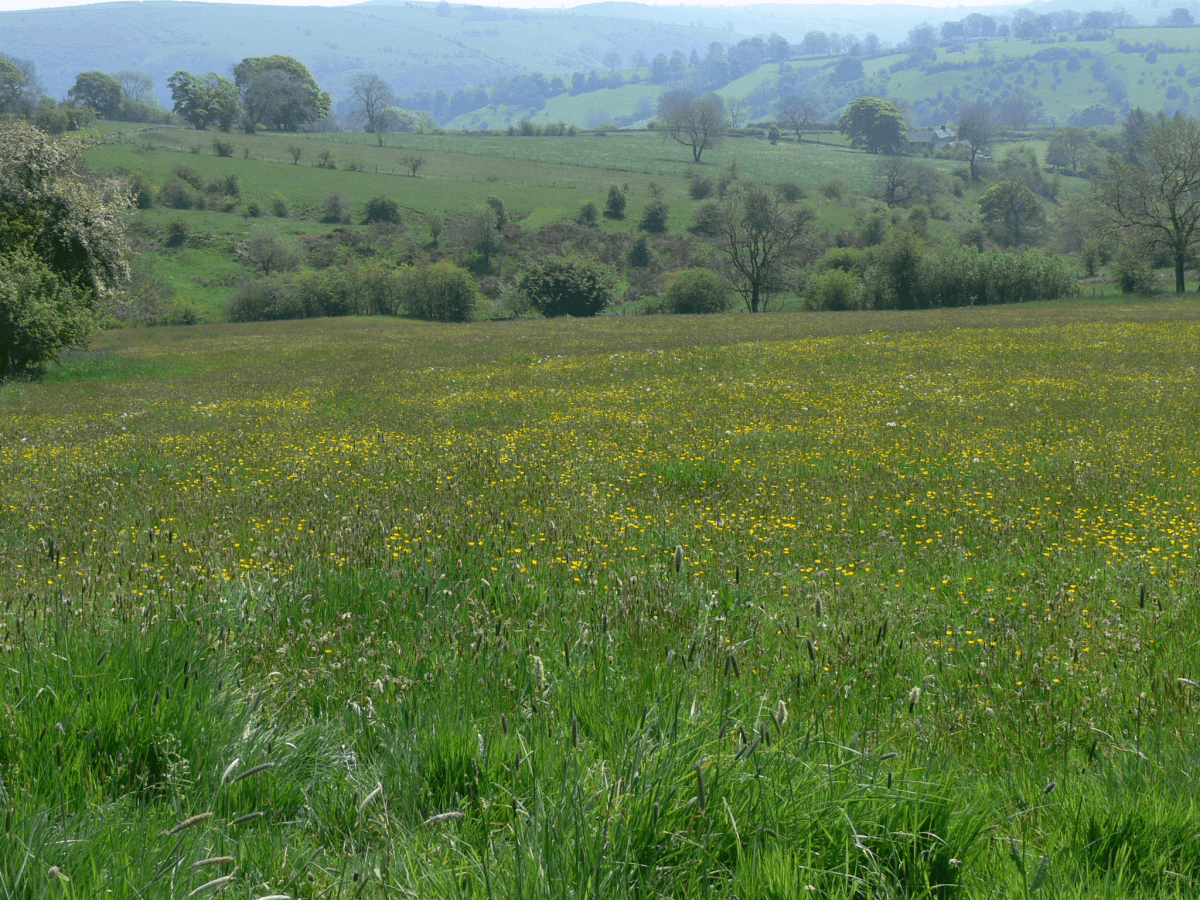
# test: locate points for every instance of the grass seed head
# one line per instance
(197, 819)
(678, 557)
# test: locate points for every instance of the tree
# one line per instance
(568, 285)
(797, 113)
(847, 70)
(279, 92)
(442, 292)
(1153, 198)
(99, 91)
(1068, 146)
(902, 182)
(204, 100)
(655, 217)
(63, 251)
(1018, 109)
(371, 97)
(413, 162)
(614, 206)
(874, 123)
(137, 87)
(695, 122)
(761, 236)
(20, 89)
(977, 128)
(483, 234)
(1180, 18)
(922, 35)
(612, 59)
(694, 291)
(1013, 206)
(736, 109)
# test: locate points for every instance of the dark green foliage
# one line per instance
(694, 291)
(222, 148)
(178, 231)
(655, 217)
(335, 209)
(497, 207)
(40, 314)
(639, 256)
(204, 100)
(382, 209)
(441, 292)
(278, 92)
(773, 134)
(614, 207)
(1132, 274)
(99, 91)
(588, 215)
(833, 290)
(568, 285)
(265, 300)
(874, 124)
(178, 194)
(700, 187)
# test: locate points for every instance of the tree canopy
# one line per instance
(204, 100)
(1152, 194)
(1014, 207)
(99, 91)
(873, 123)
(695, 122)
(278, 92)
(62, 246)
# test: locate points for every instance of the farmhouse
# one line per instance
(924, 140)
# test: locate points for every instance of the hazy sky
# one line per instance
(8, 5)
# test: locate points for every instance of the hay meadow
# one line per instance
(878, 605)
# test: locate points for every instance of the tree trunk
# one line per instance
(754, 298)
(1179, 281)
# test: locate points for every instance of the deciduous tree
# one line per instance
(797, 113)
(695, 122)
(1152, 196)
(62, 246)
(873, 123)
(976, 127)
(279, 92)
(761, 236)
(1014, 207)
(372, 97)
(204, 100)
(99, 91)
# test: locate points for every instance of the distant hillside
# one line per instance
(414, 47)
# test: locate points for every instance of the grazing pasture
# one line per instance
(879, 605)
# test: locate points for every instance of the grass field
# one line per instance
(848, 605)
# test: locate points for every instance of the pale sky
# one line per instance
(11, 5)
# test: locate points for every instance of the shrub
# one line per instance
(178, 231)
(639, 256)
(706, 220)
(773, 135)
(382, 209)
(655, 217)
(264, 300)
(335, 209)
(588, 215)
(694, 291)
(833, 290)
(178, 194)
(188, 175)
(497, 207)
(268, 253)
(1133, 275)
(222, 148)
(614, 207)
(253, 209)
(142, 190)
(279, 205)
(568, 285)
(833, 188)
(791, 191)
(325, 159)
(701, 187)
(441, 292)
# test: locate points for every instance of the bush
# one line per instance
(655, 217)
(833, 290)
(279, 205)
(639, 256)
(568, 285)
(497, 206)
(614, 207)
(178, 231)
(773, 135)
(142, 190)
(442, 292)
(188, 175)
(335, 209)
(701, 187)
(588, 215)
(694, 291)
(706, 220)
(268, 253)
(833, 188)
(40, 313)
(791, 191)
(178, 194)
(382, 209)
(222, 148)
(253, 209)
(265, 300)
(1133, 274)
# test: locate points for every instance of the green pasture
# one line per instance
(887, 605)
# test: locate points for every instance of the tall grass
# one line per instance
(378, 607)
